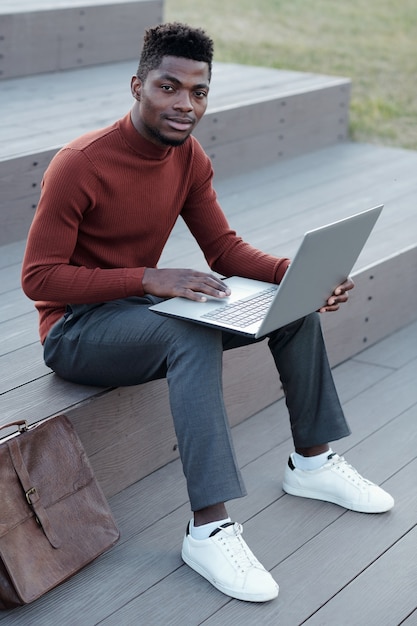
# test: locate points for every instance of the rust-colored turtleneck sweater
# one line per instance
(108, 203)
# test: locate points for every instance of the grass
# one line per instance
(373, 43)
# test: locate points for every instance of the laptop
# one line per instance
(323, 261)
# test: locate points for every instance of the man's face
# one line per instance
(171, 100)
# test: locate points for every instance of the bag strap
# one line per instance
(32, 495)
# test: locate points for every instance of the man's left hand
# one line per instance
(338, 297)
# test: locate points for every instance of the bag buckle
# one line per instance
(30, 492)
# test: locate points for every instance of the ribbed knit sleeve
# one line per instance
(58, 265)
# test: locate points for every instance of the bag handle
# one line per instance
(22, 425)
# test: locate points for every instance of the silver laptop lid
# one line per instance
(323, 261)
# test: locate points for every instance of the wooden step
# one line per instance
(39, 36)
(288, 113)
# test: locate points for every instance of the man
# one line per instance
(108, 203)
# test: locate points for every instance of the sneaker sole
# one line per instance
(257, 597)
(294, 491)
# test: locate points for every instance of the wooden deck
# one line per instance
(333, 566)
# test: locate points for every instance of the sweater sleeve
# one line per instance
(49, 271)
(225, 252)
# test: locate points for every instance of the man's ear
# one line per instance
(136, 87)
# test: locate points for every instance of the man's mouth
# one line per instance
(180, 123)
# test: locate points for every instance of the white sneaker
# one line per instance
(226, 561)
(338, 482)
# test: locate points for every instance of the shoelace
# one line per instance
(352, 474)
(238, 551)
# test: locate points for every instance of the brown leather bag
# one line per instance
(54, 518)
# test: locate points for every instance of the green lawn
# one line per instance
(374, 42)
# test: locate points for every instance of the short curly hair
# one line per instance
(174, 39)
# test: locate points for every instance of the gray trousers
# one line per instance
(122, 343)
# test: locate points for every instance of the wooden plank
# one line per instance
(20, 180)
(9, 278)
(325, 176)
(240, 156)
(31, 169)
(369, 412)
(19, 332)
(369, 316)
(353, 606)
(11, 254)
(22, 366)
(15, 304)
(43, 397)
(395, 351)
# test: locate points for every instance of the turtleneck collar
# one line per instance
(141, 145)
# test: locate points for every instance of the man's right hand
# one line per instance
(167, 283)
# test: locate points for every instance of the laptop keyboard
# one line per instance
(246, 311)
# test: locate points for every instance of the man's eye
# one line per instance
(200, 94)
(167, 88)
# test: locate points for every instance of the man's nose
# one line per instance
(183, 101)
